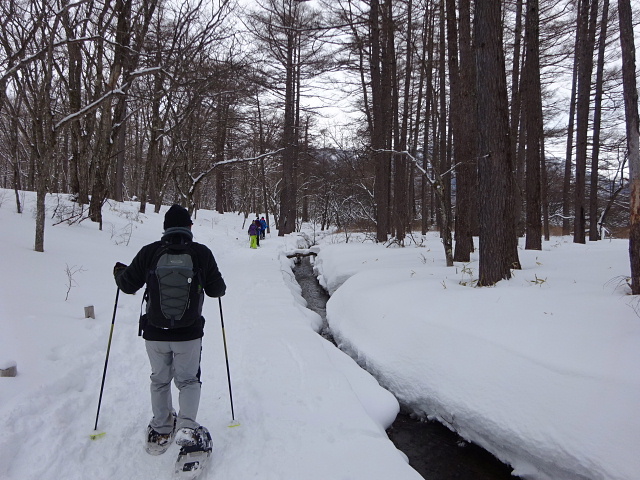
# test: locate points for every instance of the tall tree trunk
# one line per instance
(380, 113)
(402, 186)
(597, 120)
(305, 173)
(533, 123)
(449, 18)
(544, 189)
(262, 149)
(118, 182)
(288, 194)
(465, 152)
(418, 122)
(426, 192)
(568, 162)
(74, 88)
(517, 118)
(41, 194)
(443, 159)
(17, 182)
(220, 142)
(494, 167)
(515, 80)
(633, 134)
(156, 132)
(588, 14)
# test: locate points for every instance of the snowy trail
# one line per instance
(273, 353)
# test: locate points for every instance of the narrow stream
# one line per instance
(434, 451)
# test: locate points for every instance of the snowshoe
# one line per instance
(195, 450)
(158, 443)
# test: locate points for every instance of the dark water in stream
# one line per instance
(434, 451)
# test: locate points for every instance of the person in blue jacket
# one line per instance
(263, 227)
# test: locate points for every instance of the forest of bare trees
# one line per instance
(490, 119)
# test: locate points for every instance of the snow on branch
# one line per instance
(96, 103)
(39, 54)
(87, 108)
(200, 176)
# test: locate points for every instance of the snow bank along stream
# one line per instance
(433, 450)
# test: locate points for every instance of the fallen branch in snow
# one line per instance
(300, 254)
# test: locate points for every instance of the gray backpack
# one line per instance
(174, 288)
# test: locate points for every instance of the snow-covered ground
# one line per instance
(541, 370)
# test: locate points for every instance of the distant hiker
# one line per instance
(263, 227)
(178, 273)
(257, 222)
(254, 231)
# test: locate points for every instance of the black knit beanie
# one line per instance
(177, 216)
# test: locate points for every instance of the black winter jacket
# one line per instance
(134, 277)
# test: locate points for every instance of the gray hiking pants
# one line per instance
(180, 362)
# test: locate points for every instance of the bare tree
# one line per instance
(190, 87)
(34, 85)
(131, 31)
(75, 28)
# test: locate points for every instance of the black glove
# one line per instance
(118, 269)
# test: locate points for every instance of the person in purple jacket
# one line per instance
(254, 231)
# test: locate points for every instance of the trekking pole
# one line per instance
(226, 356)
(95, 433)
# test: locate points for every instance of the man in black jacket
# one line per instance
(174, 353)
